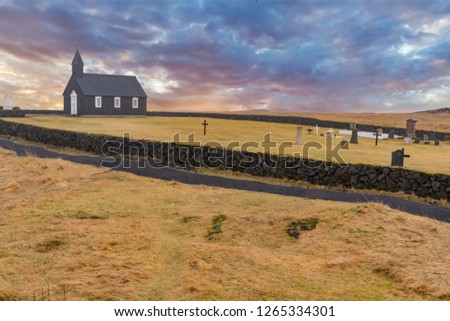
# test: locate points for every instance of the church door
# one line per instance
(73, 103)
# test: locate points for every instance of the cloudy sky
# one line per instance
(211, 55)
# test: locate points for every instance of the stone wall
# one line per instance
(43, 112)
(307, 121)
(170, 154)
(11, 113)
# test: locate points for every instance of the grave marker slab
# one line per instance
(398, 157)
(354, 139)
(298, 139)
(329, 145)
(411, 127)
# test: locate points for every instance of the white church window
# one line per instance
(98, 101)
(135, 102)
(116, 102)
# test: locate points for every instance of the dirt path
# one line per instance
(431, 211)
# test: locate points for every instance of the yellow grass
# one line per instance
(94, 234)
(426, 158)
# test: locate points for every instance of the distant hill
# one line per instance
(443, 110)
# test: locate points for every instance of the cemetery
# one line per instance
(225, 131)
(440, 124)
(432, 181)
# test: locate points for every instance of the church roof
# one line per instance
(110, 85)
(77, 59)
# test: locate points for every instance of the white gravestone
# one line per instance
(8, 102)
(317, 130)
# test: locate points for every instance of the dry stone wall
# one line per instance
(11, 113)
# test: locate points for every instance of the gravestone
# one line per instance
(344, 144)
(317, 130)
(411, 127)
(309, 130)
(391, 134)
(352, 126)
(354, 139)
(436, 142)
(425, 139)
(8, 102)
(298, 139)
(329, 145)
(398, 157)
(407, 140)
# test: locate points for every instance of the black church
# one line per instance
(102, 95)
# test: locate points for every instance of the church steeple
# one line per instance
(77, 65)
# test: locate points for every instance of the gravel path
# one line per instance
(182, 176)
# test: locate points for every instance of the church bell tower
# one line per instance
(77, 65)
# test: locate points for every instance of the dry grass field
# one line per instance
(426, 158)
(82, 233)
(437, 122)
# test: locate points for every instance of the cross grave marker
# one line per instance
(204, 126)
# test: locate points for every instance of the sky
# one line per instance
(235, 55)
